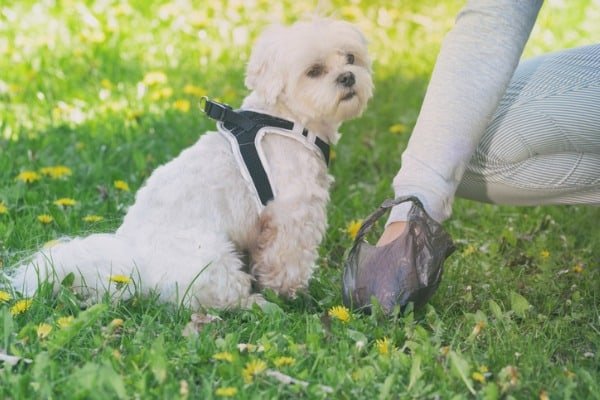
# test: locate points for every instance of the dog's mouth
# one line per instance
(348, 95)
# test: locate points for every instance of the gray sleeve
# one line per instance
(475, 64)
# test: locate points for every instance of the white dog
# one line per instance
(198, 214)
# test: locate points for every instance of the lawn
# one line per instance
(96, 94)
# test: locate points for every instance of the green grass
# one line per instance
(517, 314)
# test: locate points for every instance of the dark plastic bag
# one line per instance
(409, 269)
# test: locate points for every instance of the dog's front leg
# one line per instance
(284, 254)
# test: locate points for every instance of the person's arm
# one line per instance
(475, 64)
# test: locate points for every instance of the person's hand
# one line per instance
(406, 266)
(392, 232)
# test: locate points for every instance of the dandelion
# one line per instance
(544, 395)
(252, 369)
(28, 176)
(284, 361)
(4, 296)
(578, 268)
(340, 312)
(92, 218)
(3, 208)
(65, 202)
(43, 330)
(223, 356)
(106, 84)
(226, 391)
(64, 322)
(115, 324)
(544, 254)
(383, 346)
(120, 279)
(478, 377)
(45, 219)
(154, 78)
(397, 128)
(182, 105)
(57, 171)
(21, 306)
(194, 90)
(353, 227)
(161, 94)
(121, 185)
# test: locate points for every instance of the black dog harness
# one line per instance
(245, 130)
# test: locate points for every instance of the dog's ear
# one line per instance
(263, 72)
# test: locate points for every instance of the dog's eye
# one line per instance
(350, 58)
(315, 71)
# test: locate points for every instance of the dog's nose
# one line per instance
(346, 79)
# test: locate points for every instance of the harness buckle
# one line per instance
(213, 109)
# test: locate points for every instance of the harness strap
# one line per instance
(244, 125)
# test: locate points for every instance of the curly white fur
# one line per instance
(195, 216)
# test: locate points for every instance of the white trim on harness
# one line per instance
(295, 133)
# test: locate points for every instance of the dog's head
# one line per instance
(317, 70)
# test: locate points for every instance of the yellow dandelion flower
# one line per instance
(115, 324)
(544, 254)
(121, 185)
(340, 312)
(578, 268)
(478, 377)
(20, 306)
(64, 322)
(45, 218)
(252, 369)
(57, 171)
(284, 361)
(120, 279)
(65, 202)
(353, 227)
(223, 356)
(28, 176)
(182, 105)
(161, 94)
(116, 354)
(397, 128)
(106, 84)
(444, 350)
(384, 346)
(226, 391)
(92, 218)
(544, 395)
(3, 208)
(4, 296)
(43, 330)
(194, 90)
(154, 78)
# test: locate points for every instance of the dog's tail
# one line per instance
(96, 262)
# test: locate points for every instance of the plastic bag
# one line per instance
(409, 269)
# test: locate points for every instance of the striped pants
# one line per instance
(543, 143)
